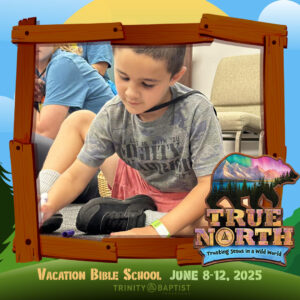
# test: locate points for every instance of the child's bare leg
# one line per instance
(109, 168)
(68, 144)
(68, 141)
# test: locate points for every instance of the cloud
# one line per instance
(7, 107)
(284, 12)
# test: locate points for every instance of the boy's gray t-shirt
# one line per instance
(169, 152)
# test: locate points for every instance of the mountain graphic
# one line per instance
(235, 171)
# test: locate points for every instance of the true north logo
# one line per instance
(244, 214)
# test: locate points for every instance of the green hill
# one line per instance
(294, 219)
(24, 283)
(293, 258)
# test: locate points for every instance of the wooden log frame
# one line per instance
(28, 244)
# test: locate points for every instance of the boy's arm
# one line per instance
(184, 215)
(189, 210)
(67, 187)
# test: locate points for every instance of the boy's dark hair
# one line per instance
(173, 55)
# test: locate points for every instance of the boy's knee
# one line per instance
(81, 116)
(79, 121)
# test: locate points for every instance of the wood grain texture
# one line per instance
(66, 33)
(116, 32)
(24, 93)
(29, 21)
(24, 88)
(239, 30)
(27, 238)
(274, 97)
(274, 118)
(26, 242)
(140, 247)
(226, 28)
(70, 248)
(188, 255)
(162, 34)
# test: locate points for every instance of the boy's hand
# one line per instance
(148, 230)
(47, 212)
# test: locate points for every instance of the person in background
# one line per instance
(71, 84)
(100, 56)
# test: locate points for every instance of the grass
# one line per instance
(24, 283)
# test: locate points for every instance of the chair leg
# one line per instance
(237, 145)
(261, 143)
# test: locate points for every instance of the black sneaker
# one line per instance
(106, 215)
(52, 223)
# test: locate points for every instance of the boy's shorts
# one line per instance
(128, 183)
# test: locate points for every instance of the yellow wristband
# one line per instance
(160, 228)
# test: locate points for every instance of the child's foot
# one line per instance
(106, 215)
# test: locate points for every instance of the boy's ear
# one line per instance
(176, 77)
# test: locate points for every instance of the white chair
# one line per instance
(238, 98)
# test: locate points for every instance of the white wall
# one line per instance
(205, 60)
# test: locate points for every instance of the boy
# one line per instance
(168, 152)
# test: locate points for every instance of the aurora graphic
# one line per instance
(248, 182)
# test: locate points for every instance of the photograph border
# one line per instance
(29, 245)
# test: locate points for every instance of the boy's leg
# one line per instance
(109, 168)
(68, 141)
(64, 151)
(59, 156)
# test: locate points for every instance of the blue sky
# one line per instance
(245, 9)
(58, 11)
(48, 12)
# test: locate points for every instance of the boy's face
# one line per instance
(142, 82)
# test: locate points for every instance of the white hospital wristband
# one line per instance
(160, 228)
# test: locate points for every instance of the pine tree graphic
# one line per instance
(7, 209)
